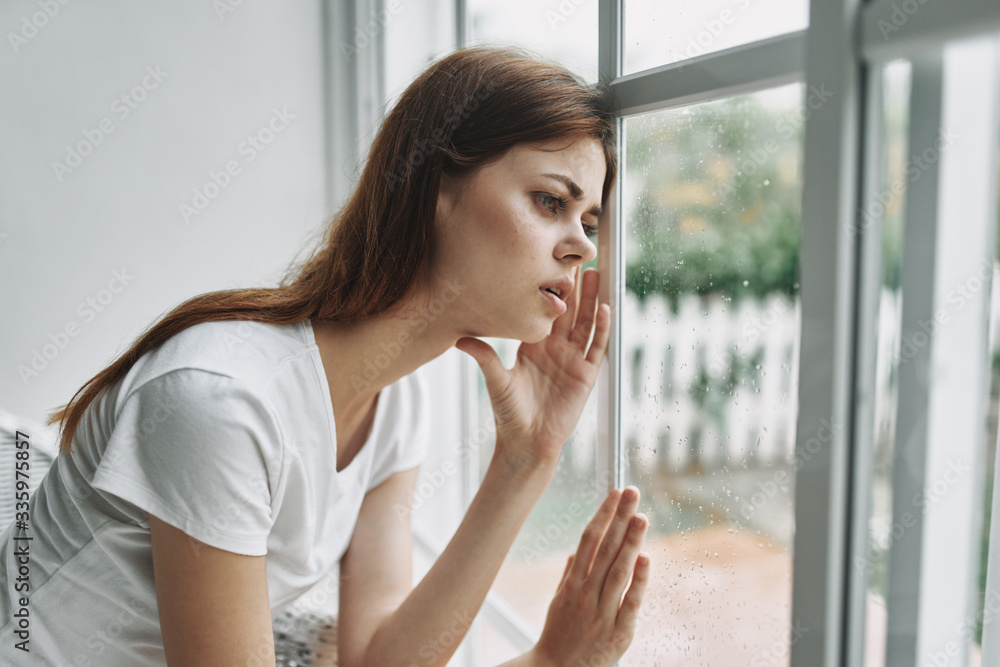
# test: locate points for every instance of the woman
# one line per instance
(254, 438)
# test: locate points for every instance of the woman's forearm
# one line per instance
(430, 624)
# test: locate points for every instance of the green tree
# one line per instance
(713, 202)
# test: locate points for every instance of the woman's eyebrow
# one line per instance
(575, 191)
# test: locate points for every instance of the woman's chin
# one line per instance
(538, 333)
(520, 328)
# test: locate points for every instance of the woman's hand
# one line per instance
(538, 402)
(589, 623)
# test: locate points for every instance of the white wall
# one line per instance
(63, 236)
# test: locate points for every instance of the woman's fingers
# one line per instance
(601, 335)
(593, 534)
(624, 563)
(612, 542)
(629, 611)
(564, 322)
(489, 361)
(585, 623)
(586, 309)
(566, 570)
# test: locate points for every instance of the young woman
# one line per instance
(254, 438)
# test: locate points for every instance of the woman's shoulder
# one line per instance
(252, 352)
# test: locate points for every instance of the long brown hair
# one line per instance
(466, 109)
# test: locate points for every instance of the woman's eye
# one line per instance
(551, 203)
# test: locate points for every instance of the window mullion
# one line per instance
(892, 29)
(833, 97)
(909, 450)
(609, 43)
(869, 240)
(743, 69)
(611, 268)
(354, 92)
(461, 23)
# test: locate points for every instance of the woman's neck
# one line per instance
(362, 358)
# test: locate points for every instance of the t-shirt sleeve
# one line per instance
(200, 451)
(411, 437)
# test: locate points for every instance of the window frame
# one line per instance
(840, 279)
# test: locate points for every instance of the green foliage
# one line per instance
(714, 201)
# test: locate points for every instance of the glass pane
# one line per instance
(710, 334)
(417, 33)
(558, 30)
(890, 211)
(899, 173)
(494, 647)
(659, 32)
(986, 600)
(530, 574)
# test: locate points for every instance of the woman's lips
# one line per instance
(557, 304)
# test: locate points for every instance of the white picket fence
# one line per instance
(663, 354)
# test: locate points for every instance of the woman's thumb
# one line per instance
(486, 357)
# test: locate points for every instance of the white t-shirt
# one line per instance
(225, 431)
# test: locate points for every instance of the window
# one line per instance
(711, 217)
(804, 189)
(563, 31)
(661, 32)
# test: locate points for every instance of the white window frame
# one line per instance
(840, 280)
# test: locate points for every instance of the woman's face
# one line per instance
(513, 227)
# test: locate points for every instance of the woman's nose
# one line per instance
(580, 244)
